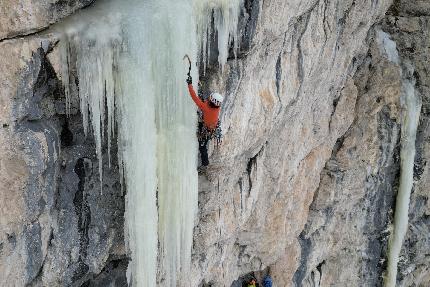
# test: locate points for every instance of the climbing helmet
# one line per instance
(216, 99)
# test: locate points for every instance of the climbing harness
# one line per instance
(204, 134)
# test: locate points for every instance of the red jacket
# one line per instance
(210, 114)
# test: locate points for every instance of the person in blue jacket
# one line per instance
(267, 281)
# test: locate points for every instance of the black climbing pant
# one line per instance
(203, 148)
(203, 144)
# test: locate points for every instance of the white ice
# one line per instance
(388, 46)
(411, 107)
(411, 111)
(128, 60)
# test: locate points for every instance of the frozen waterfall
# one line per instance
(128, 59)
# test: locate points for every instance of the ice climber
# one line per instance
(267, 281)
(209, 126)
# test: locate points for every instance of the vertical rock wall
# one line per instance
(352, 210)
(290, 99)
(56, 228)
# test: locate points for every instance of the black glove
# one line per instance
(189, 80)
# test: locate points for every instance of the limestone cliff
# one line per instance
(23, 17)
(304, 181)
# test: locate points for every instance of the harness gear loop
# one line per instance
(204, 134)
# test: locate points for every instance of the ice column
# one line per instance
(173, 37)
(411, 113)
(411, 107)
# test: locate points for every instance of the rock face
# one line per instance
(24, 17)
(294, 98)
(349, 219)
(351, 207)
(304, 181)
(57, 228)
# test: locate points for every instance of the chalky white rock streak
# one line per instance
(131, 72)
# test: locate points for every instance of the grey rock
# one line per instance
(26, 17)
(67, 230)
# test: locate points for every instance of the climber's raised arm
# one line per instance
(193, 94)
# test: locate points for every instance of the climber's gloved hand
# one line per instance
(189, 80)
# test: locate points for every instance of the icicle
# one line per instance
(65, 73)
(130, 72)
(225, 15)
(412, 108)
(96, 42)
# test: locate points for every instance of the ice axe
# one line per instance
(189, 62)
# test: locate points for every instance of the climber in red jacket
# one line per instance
(209, 124)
